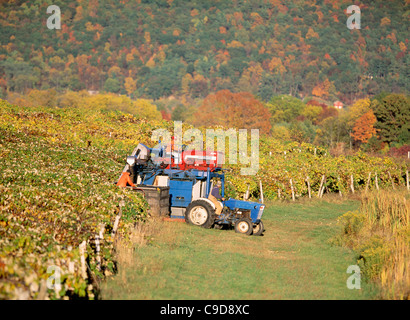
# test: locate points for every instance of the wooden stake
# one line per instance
(376, 180)
(338, 186)
(71, 264)
(247, 193)
(279, 193)
(97, 251)
(368, 181)
(407, 180)
(293, 191)
(43, 290)
(351, 183)
(260, 187)
(117, 220)
(308, 184)
(82, 259)
(99, 237)
(321, 185)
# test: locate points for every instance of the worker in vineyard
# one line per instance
(173, 152)
(214, 196)
(125, 180)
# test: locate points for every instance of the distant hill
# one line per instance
(154, 49)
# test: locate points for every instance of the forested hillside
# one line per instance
(153, 49)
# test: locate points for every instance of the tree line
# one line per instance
(156, 49)
(379, 125)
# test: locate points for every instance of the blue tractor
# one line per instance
(186, 183)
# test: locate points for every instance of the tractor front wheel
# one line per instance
(258, 229)
(244, 226)
(200, 213)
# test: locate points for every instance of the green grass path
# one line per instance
(293, 260)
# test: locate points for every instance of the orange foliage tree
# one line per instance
(238, 110)
(322, 89)
(364, 129)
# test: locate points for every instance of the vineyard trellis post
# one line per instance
(293, 190)
(320, 192)
(43, 290)
(117, 219)
(98, 238)
(308, 185)
(368, 181)
(376, 181)
(261, 190)
(407, 180)
(82, 259)
(338, 186)
(97, 251)
(323, 187)
(352, 183)
(247, 193)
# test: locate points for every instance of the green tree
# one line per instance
(285, 108)
(112, 85)
(393, 117)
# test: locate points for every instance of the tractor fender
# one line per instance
(207, 200)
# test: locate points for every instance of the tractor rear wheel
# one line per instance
(200, 213)
(244, 226)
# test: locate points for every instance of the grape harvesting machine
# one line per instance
(177, 182)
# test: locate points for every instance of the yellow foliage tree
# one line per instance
(280, 133)
(385, 22)
(275, 65)
(235, 44)
(130, 85)
(311, 34)
(185, 82)
(312, 112)
(147, 37)
(323, 89)
(358, 109)
(151, 62)
(114, 70)
(144, 109)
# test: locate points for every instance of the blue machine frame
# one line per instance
(181, 184)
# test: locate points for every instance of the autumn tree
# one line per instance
(364, 128)
(130, 85)
(144, 109)
(358, 109)
(311, 112)
(238, 110)
(324, 89)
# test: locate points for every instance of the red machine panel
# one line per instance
(193, 159)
